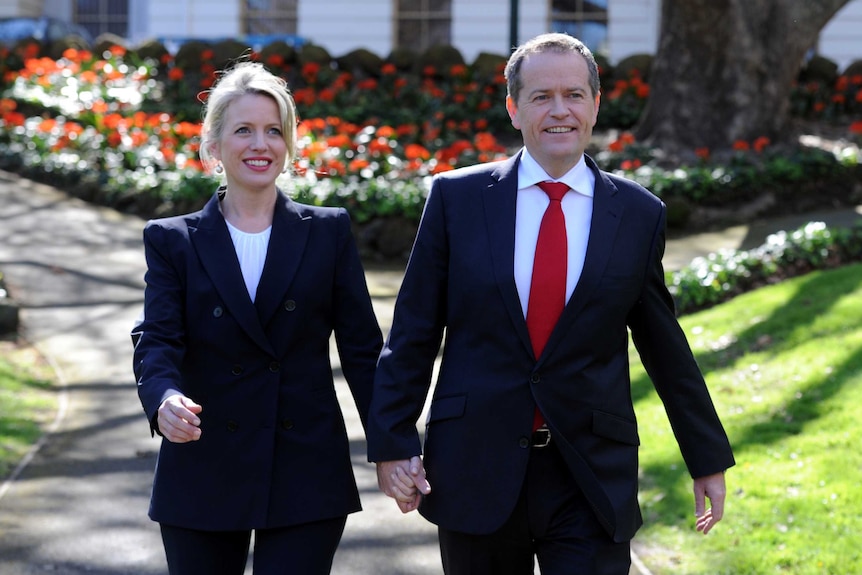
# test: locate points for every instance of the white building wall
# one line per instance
(841, 39)
(477, 25)
(633, 27)
(9, 8)
(534, 18)
(480, 26)
(191, 19)
(342, 26)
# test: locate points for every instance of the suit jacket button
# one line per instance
(534, 378)
(287, 424)
(232, 426)
(236, 370)
(218, 311)
(274, 367)
(289, 305)
(523, 443)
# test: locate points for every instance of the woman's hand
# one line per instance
(178, 419)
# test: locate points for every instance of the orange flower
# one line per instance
(338, 141)
(486, 142)
(429, 71)
(458, 70)
(388, 69)
(760, 143)
(856, 127)
(14, 118)
(139, 138)
(741, 146)
(379, 146)
(357, 164)
(176, 74)
(336, 168)
(115, 139)
(386, 132)
(413, 151)
(326, 95)
(616, 146)
(117, 51)
(169, 154)
(702, 153)
(441, 167)
(367, 84)
(841, 83)
(207, 54)
(275, 60)
(310, 70)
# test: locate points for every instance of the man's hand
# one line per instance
(178, 419)
(711, 486)
(403, 480)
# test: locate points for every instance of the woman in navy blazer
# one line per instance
(232, 354)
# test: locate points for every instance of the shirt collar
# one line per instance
(580, 178)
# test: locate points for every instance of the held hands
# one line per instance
(404, 481)
(711, 486)
(178, 419)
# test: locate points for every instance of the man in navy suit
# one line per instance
(531, 441)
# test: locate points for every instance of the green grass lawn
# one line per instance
(784, 365)
(28, 403)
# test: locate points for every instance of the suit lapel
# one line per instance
(500, 198)
(606, 218)
(290, 231)
(211, 241)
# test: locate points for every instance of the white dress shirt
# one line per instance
(531, 204)
(251, 252)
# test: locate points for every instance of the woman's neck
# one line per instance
(250, 213)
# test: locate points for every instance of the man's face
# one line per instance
(556, 110)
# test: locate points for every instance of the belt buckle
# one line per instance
(541, 437)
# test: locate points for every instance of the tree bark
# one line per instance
(724, 70)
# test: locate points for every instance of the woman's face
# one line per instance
(251, 148)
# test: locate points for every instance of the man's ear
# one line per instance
(598, 101)
(512, 108)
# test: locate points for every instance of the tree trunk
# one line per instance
(725, 69)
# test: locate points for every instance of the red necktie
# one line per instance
(548, 286)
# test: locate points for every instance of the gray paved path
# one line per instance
(79, 506)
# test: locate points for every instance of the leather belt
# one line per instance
(541, 437)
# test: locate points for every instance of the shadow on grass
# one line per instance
(816, 295)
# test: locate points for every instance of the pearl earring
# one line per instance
(219, 169)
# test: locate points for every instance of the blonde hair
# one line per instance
(247, 78)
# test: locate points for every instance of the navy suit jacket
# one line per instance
(273, 449)
(460, 281)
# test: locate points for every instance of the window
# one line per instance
(420, 24)
(100, 16)
(270, 17)
(583, 19)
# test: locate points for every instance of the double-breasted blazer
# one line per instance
(460, 281)
(273, 449)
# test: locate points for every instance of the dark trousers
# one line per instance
(552, 522)
(306, 549)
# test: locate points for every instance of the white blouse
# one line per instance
(251, 252)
